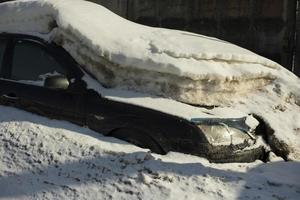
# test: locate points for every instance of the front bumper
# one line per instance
(229, 140)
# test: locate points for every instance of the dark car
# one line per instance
(43, 78)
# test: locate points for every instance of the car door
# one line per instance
(28, 63)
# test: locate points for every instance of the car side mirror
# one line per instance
(57, 82)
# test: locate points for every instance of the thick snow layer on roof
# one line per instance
(123, 42)
(181, 65)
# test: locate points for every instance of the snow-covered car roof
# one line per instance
(123, 42)
(180, 65)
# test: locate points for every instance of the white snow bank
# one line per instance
(49, 159)
(181, 65)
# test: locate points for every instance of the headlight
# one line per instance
(225, 131)
(224, 135)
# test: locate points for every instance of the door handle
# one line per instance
(10, 96)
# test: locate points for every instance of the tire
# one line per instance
(138, 138)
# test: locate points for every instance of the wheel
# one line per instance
(138, 138)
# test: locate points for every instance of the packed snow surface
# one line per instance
(49, 159)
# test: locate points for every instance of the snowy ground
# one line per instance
(49, 159)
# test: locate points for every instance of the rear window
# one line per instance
(2, 48)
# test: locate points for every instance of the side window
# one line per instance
(32, 62)
(2, 48)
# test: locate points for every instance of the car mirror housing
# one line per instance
(57, 82)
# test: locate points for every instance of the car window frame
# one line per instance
(73, 71)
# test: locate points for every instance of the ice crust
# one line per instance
(181, 66)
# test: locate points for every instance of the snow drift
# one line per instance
(50, 159)
(184, 66)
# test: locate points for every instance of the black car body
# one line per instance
(61, 93)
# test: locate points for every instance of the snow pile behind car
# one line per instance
(184, 66)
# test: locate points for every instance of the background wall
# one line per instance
(267, 27)
(297, 52)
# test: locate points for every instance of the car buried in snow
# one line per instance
(47, 67)
(43, 78)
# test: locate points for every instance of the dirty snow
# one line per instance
(165, 105)
(49, 159)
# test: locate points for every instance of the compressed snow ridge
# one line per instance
(50, 159)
